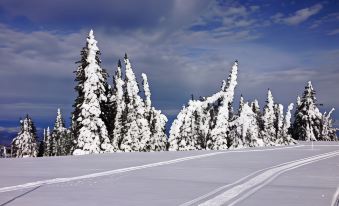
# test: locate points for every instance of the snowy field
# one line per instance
(291, 175)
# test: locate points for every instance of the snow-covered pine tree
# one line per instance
(328, 132)
(48, 142)
(219, 134)
(307, 122)
(61, 137)
(245, 129)
(119, 107)
(278, 123)
(79, 88)
(136, 126)
(268, 118)
(91, 131)
(256, 109)
(44, 142)
(285, 137)
(147, 92)
(191, 129)
(185, 128)
(157, 122)
(25, 144)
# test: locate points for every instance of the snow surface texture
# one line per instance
(284, 175)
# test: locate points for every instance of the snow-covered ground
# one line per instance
(291, 175)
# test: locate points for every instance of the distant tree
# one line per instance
(25, 143)
(61, 138)
(269, 132)
(119, 108)
(279, 121)
(245, 129)
(328, 132)
(307, 123)
(48, 142)
(156, 120)
(285, 137)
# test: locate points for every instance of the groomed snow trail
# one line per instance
(247, 185)
(129, 169)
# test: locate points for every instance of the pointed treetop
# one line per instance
(119, 63)
(269, 92)
(236, 62)
(91, 34)
(270, 97)
(309, 84)
(126, 57)
(59, 112)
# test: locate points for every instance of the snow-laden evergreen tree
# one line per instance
(256, 109)
(25, 144)
(157, 122)
(245, 129)
(191, 130)
(79, 88)
(307, 123)
(285, 137)
(136, 126)
(147, 92)
(181, 137)
(279, 121)
(328, 132)
(48, 142)
(269, 118)
(219, 133)
(91, 132)
(119, 107)
(61, 137)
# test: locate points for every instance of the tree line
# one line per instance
(121, 117)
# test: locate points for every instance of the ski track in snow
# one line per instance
(248, 185)
(128, 169)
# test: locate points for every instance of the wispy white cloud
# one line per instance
(231, 20)
(297, 17)
(333, 32)
(9, 129)
(326, 20)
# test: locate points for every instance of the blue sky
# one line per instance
(185, 47)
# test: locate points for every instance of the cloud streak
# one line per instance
(298, 17)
